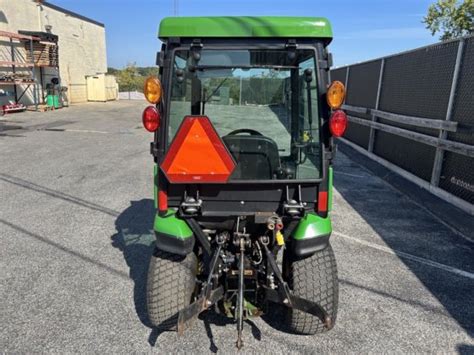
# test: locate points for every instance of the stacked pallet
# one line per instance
(44, 54)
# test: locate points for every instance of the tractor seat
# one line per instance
(256, 156)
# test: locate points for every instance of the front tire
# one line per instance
(171, 282)
(313, 278)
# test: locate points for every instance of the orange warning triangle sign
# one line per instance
(197, 154)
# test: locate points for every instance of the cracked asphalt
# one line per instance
(76, 214)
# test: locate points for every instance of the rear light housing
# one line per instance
(336, 95)
(153, 90)
(338, 123)
(151, 119)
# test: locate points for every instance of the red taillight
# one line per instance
(338, 123)
(162, 201)
(151, 119)
(322, 201)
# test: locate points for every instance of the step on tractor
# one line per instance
(244, 118)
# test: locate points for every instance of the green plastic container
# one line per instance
(52, 101)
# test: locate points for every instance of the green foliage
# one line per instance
(255, 90)
(452, 18)
(112, 71)
(147, 71)
(132, 78)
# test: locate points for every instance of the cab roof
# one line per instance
(246, 26)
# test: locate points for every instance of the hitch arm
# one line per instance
(285, 296)
(207, 297)
(301, 305)
(240, 299)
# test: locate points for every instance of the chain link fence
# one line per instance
(414, 111)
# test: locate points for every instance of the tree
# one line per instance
(112, 71)
(127, 78)
(452, 18)
(147, 71)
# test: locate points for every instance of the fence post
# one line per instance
(347, 77)
(438, 161)
(370, 147)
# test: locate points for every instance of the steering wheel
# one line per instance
(252, 132)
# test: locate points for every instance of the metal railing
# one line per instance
(373, 118)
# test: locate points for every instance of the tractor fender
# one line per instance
(173, 234)
(310, 235)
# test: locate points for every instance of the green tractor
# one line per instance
(243, 118)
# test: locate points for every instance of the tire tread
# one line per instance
(171, 280)
(313, 278)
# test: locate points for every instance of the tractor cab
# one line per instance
(243, 116)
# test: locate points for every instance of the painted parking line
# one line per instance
(72, 130)
(337, 172)
(408, 256)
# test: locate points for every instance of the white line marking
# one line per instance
(84, 131)
(337, 172)
(411, 257)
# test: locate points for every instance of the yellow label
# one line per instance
(279, 238)
(306, 136)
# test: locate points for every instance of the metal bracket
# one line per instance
(160, 58)
(189, 313)
(191, 206)
(154, 150)
(323, 64)
(293, 208)
(291, 44)
(196, 43)
(331, 153)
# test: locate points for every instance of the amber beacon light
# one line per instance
(153, 90)
(336, 95)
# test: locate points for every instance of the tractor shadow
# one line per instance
(405, 227)
(134, 238)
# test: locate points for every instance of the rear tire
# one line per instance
(313, 278)
(171, 282)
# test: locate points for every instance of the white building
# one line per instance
(81, 47)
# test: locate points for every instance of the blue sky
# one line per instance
(363, 29)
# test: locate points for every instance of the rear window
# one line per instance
(263, 104)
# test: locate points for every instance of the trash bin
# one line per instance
(52, 101)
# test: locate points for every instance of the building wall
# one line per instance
(82, 48)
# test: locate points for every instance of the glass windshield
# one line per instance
(263, 104)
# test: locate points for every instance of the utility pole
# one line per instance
(240, 92)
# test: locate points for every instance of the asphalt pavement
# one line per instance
(76, 214)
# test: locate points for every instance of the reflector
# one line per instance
(197, 154)
(322, 201)
(162, 200)
(338, 123)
